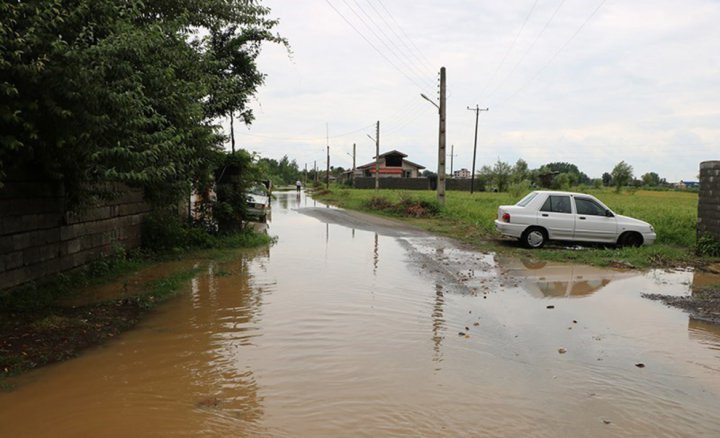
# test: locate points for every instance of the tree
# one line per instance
(651, 179)
(563, 181)
(501, 175)
(622, 174)
(606, 179)
(99, 90)
(572, 170)
(520, 171)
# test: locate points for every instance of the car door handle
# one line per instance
(582, 218)
(544, 215)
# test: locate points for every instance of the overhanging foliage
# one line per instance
(103, 90)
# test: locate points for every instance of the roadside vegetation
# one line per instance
(470, 219)
(100, 95)
(39, 327)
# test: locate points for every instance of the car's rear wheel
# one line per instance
(631, 239)
(534, 237)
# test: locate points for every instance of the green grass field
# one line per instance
(470, 219)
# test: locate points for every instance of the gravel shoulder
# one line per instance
(702, 305)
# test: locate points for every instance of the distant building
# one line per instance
(687, 185)
(462, 173)
(392, 165)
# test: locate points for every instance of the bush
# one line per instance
(406, 206)
(707, 246)
(378, 203)
(518, 189)
(163, 230)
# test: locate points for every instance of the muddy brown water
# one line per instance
(345, 328)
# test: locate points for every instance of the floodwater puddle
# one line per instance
(345, 328)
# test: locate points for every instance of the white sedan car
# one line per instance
(543, 215)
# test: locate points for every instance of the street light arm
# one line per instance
(428, 99)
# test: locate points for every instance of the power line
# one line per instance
(552, 58)
(421, 87)
(396, 51)
(512, 46)
(416, 52)
(532, 45)
(310, 139)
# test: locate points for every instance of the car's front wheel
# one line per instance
(534, 237)
(631, 239)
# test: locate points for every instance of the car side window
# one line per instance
(588, 207)
(557, 204)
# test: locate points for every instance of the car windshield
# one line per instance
(526, 200)
(258, 190)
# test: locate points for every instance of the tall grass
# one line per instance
(673, 214)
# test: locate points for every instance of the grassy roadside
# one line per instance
(38, 328)
(470, 219)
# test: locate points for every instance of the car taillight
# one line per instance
(506, 217)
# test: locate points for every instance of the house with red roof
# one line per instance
(392, 165)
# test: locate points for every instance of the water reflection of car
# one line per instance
(258, 202)
(543, 215)
(556, 280)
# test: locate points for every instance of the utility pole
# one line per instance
(441, 138)
(327, 171)
(452, 156)
(305, 182)
(232, 132)
(353, 159)
(315, 170)
(377, 156)
(352, 175)
(477, 110)
(441, 141)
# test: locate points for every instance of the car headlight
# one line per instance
(652, 229)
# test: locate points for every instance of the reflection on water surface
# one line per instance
(341, 331)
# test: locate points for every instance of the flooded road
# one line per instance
(349, 329)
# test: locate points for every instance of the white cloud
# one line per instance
(637, 83)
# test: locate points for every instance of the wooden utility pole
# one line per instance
(452, 157)
(477, 110)
(377, 156)
(353, 159)
(441, 142)
(232, 132)
(327, 172)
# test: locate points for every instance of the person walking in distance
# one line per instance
(298, 185)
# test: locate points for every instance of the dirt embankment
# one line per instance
(31, 340)
(703, 305)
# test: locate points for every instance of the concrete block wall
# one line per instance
(39, 237)
(708, 221)
(413, 183)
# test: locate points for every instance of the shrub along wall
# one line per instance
(39, 237)
(708, 222)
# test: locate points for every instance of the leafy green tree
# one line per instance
(651, 179)
(622, 174)
(576, 176)
(100, 90)
(606, 179)
(520, 171)
(563, 181)
(281, 172)
(502, 173)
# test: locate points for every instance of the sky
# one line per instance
(590, 82)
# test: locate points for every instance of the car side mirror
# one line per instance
(609, 213)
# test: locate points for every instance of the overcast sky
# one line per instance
(591, 82)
